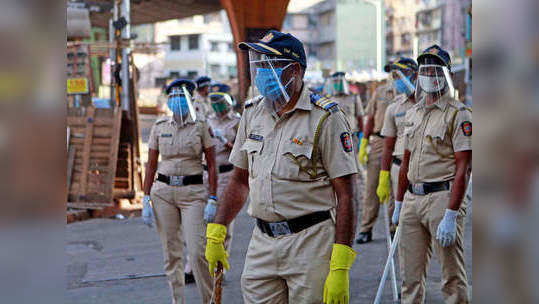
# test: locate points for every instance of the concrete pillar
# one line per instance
(249, 21)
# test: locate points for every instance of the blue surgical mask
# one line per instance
(404, 86)
(267, 84)
(178, 105)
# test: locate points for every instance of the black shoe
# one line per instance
(364, 237)
(189, 278)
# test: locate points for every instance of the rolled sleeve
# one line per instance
(389, 127)
(338, 158)
(208, 140)
(238, 157)
(462, 131)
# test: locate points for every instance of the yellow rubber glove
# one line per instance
(384, 188)
(362, 155)
(337, 286)
(215, 248)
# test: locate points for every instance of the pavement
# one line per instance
(120, 261)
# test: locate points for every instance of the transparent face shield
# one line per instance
(403, 81)
(338, 86)
(180, 103)
(221, 103)
(272, 78)
(433, 81)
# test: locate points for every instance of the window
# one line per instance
(175, 44)
(160, 82)
(192, 74)
(214, 69)
(174, 74)
(230, 47)
(193, 42)
(232, 71)
(300, 22)
(214, 46)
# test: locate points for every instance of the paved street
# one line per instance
(105, 256)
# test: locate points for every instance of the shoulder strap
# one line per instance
(161, 120)
(324, 103)
(253, 101)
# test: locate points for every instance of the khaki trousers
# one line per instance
(288, 269)
(221, 186)
(419, 220)
(371, 202)
(179, 214)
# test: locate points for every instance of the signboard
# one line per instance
(77, 85)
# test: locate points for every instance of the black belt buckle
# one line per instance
(397, 161)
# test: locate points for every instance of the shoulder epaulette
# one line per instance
(324, 103)
(253, 101)
(161, 119)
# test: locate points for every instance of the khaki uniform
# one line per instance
(394, 127)
(371, 204)
(229, 126)
(433, 136)
(202, 106)
(279, 154)
(180, 209)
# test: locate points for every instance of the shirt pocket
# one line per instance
(297, 161)
(439, 141)
(166, 142)
(409, 134)
(192, 145)
(254, 151)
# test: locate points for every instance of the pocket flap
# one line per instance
(436, 132)
(305, 149)
(251, 146)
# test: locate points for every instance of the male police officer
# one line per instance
(375, 112)
(224, 122)
(178, 194)
(294, 157)
(403, 75)
(201, 103)
(350, 104)
(436, 163)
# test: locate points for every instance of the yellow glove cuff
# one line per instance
(364, 141)
(342, 257)
(384, 177)
(216, 232)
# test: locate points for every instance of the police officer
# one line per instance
(224, 122)
(178, 195)
(375, 112)
(202, 103)
(350, 104)
(294, 157)
(403, 76)
(434, 170)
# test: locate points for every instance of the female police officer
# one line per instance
(179, 195)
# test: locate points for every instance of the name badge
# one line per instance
(400, 114)
(256, 137)
(166, 135)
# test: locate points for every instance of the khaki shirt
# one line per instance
(229, 126)
(431, 145)
(202, 107)
(394, 122)
(376, 107)
(349, 104)
(180, 147)
(265, 144)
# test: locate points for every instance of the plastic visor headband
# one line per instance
(397, 74)
(445, 72)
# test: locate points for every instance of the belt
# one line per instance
(178, 180)
(426, 188)
(397, 161)
(294, 225)
(377, 134)
(222, 168)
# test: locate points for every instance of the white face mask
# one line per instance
(431, 84)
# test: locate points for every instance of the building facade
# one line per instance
(338, 34)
